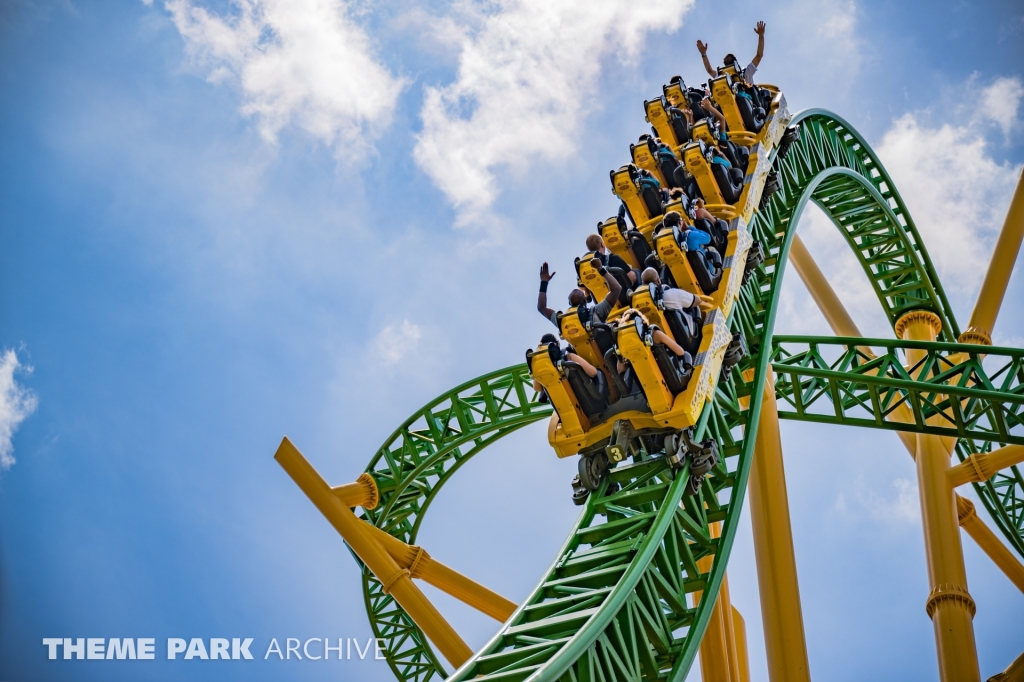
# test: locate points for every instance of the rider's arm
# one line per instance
(710, 108)
(542, 297)
(759, 30)
(587, 367)
(614, 288)
(661, 337)
(703, 49)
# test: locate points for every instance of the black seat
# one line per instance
(591, 393)
(694, 97)
(624, 284)
(729, 184)
(753, 115)
(719, 231)
(638, 243)
(680, 126)
(601, 333)
(705, 269)
(651, 193)
(685, 326)
(675, 370)
(738, 155)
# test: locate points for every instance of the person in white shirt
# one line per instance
(679, 299)
(748, 74)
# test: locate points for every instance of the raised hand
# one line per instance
(703, 47)
(545, 276)
(759, 29)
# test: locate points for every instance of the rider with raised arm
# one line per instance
(748, 74)
(576, 297)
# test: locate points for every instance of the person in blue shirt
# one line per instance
(696, 240)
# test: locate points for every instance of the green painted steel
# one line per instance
(613, 604)
(976, 396)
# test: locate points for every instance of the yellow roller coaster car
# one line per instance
(669, 399)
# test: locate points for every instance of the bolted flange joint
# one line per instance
(948, 592)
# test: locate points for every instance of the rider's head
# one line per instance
(730, 59)
(577, 298)
(650, 276)
(549, 338)
(672, 219)
(595, 244)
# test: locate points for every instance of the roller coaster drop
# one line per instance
(614, 604)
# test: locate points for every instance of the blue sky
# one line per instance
(224, 222)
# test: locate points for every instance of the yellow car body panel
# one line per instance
(643, 158)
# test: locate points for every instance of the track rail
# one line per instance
(613, 604)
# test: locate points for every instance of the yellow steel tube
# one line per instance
(396, 581)
(361, 493)
(982, 466)
(1002, 557)
(740, 633)
(949, 604)
(732, 646)
(821, 291)
(781, 613)
(1014, 673)
(423, 566)
(1004, 255)
(715, 654)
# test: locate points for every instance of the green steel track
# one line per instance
(613, 606)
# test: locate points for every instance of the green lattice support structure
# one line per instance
(613, 604)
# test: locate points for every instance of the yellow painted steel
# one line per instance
(643, 158)
(949, 604)
(739, 627)
(589, 278)
(1004, 255)
(616, 242)
(989, 543)
(568, 436)
(982, 466)
(423, 566)
(717, 648)
(395, 580)
(1013, 673)
(725, 98)
(658, 117)
(361, 493)
(821, 291)
(781, 612)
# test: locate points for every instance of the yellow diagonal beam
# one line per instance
(982, 466)
(1004, 255)
(421, 565)
(989, 543)
(396, 580)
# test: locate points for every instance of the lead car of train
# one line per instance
(646, 395)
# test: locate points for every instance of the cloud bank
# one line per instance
(528, 73)
(301, 63)
(955, 189)
(16, 404)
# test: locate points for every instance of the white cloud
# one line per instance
(298, 62)
(955, 190)
(1000, 102)
(903, 507)
(16, 403)
(395, 342)
(528, 73)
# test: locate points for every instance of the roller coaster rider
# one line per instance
(596, 245)
(757, 95)
(577, 297)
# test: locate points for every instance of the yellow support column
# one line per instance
(781, 613)
(1004, 255)
(740, 632)
(716, 655)
(396, 581)
(949, 604)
